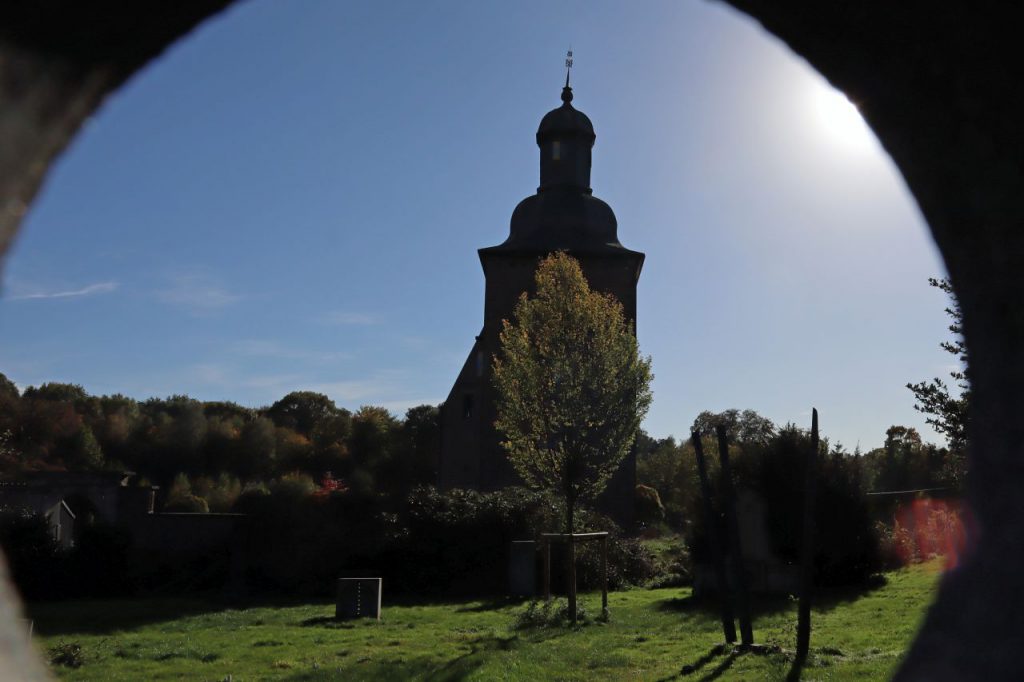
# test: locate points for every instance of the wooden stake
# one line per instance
(728, 624)
(547, 569)
(572, 578)
(604, 575)
(735, 546)
(803, 626)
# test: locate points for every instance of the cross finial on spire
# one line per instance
(567, 91)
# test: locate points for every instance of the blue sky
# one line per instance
(292, 198)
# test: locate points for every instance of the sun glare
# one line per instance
(840, 121)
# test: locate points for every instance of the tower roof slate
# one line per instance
(564, 216)
(566, 120)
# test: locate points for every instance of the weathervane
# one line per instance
(568, 66)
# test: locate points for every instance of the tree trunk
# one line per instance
(570, 509)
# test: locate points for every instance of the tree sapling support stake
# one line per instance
(735, 546)
(803, 627)
(728, 623)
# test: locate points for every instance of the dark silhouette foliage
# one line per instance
(846, 541)
(746, 428)
(29, 549)
(948, 411)
(461, 538)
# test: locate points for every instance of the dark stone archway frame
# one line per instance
(938, 82)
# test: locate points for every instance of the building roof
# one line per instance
(564, 214)
(561, 220)
(566, 121)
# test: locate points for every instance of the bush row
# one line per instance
(290, 542)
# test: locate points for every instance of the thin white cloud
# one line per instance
(415, 342)
(356, 390)
(386, 388)
(276, 382)
(208, 374)
(272, 349)
(197, 293)
(350, 318)
(90, 290)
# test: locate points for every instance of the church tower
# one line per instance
(563, 215)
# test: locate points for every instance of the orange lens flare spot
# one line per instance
(927, 528)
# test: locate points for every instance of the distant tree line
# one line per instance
(378, 507)
(205, 453)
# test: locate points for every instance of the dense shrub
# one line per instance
(922, 529)
(293, 542)
(673, 566)
(298, 543)
(649, 509)
(67, 654)
(180, 498)
(30, 550)
(452, 542)
(294, 486)
(846, 541)
(458, 541)
(97, 566)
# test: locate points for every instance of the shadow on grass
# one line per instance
(720, 668)
(794, 670)
(708, 606)
(700, 663)
(329, 622)
(825, 599)
(422, 668)
(711, 655)
(493, 604)
(97, 617)
(103, 616)
(461, 603)
(731, 653)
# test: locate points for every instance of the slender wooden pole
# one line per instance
(604, 575)
(547, 568)
(711, 524)
(803, 626)
(572, 578)
(735, 545)
(570, 522)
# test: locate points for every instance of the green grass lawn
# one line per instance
(652, 635)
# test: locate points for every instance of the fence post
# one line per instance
(728, 624)
(803, 626)
(547, 569)
(572, 578)
(604, 575)
(735, 545)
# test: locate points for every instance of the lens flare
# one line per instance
(927, 528)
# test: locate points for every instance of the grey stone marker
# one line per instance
(358, 598)
(522, 568)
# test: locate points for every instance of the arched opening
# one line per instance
(957, 158)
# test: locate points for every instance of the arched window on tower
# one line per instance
(556, 150)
